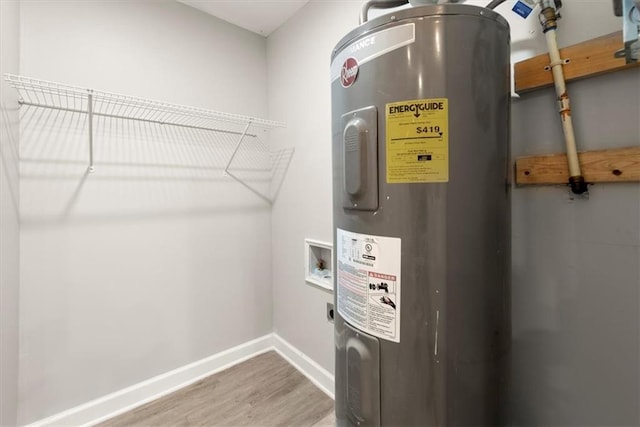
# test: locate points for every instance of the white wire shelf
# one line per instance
(43, 93)
(40, 93)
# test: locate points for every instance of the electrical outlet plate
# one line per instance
(330, 312)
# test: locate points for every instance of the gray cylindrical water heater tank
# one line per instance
(420, 122)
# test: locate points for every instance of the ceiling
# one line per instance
(260, 16)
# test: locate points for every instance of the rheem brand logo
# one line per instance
(349, 72)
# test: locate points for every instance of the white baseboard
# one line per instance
(322, 378)
(111, 405)
(124, 400)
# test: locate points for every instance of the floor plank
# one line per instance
(328, 421)
(263, 391)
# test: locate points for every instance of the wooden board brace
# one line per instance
(587, 59)
(612, 165)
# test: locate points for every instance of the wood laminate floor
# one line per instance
(263, 391)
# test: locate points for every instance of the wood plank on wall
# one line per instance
(587, 59)
(612, 165)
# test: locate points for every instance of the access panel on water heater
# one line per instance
(360, 167)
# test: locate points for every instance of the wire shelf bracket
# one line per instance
(94, 103)
(233, 155)
(90, 126)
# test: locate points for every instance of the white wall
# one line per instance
(155, 260)
(298, 55)
(575, 272)
(9, 216)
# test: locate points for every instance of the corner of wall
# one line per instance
(9, 215)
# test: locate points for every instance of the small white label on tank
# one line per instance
(368, 282)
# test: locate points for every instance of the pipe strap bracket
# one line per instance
(555, 63)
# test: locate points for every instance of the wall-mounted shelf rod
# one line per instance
(115, 116)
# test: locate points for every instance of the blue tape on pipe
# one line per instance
(522, 9)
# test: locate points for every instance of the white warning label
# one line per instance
(368, 282)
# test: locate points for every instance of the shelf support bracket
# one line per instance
(233, 155)
(235, 151)
(90, 126)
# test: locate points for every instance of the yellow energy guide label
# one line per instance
(418, 141)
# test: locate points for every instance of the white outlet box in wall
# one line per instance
(318, 254)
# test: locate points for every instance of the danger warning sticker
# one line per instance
(418, 141)
(368, 282)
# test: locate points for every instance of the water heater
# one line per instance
(421, 202)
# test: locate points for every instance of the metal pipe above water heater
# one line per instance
(382, 4)
(548, 19)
